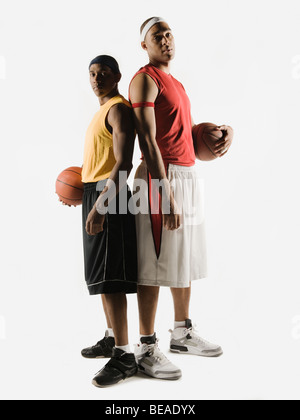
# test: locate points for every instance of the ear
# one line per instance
(144, 46)
(118, 77)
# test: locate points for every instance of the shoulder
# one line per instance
(120, 115)
(143, 79)
(120, 109)
(143, 88)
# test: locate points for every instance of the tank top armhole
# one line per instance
(155, 81)
(118, 100)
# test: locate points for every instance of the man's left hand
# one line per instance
(223, 145)
(94, 222)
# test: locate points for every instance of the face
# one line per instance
(160, 43)
(103, 80)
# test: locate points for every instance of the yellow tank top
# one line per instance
(99, 158)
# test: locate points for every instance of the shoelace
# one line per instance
(193, 333)
(155, 349)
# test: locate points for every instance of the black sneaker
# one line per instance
(103, 349)
(121, 366)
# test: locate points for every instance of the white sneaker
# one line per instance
(152, 362)
(186, 341)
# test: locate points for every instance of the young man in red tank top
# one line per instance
(170, 252)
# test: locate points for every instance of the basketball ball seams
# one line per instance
(217, 138)
(70, 198)
(204, 137)
(69, 185)
(72, 170)
(208, 146)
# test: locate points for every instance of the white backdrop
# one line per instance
(240, 63)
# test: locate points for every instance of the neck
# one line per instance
(166, 67)
(110, 95)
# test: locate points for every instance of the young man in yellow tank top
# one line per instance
(109, 240)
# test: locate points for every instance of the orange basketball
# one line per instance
(204, 140)
(69, 186)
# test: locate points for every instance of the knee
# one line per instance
(115, 298)
(148, 292)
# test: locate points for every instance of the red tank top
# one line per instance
(173, 119)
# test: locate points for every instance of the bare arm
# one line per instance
(120, 120)
(144, 89)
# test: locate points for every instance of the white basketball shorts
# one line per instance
(171, 258)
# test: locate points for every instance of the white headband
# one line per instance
(149, 25)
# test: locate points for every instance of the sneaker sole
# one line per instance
(116, 383)
(107, 386)
(96, 357)
(211, 355)
(165, 377)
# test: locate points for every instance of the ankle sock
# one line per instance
(180, 324)
(110, 332)
(124, 348)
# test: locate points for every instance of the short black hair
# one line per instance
(107, 60)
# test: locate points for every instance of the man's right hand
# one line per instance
(172, 221)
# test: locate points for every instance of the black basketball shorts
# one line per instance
(110, 257)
